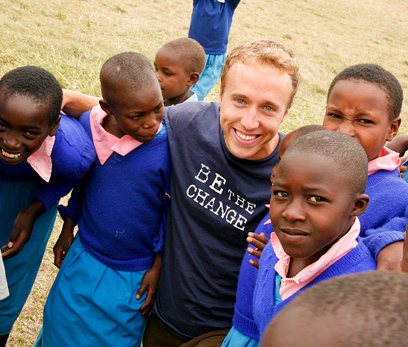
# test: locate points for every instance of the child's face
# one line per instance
(137, 113)
(254, 102)
(360, 109)
(311, 206)
(173, 78)
(24, 125)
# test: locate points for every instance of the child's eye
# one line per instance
(316, 198)
(280, 194)
(30, 135)
(365, 121)
(2, 127)
(167, 73)
(334, 115)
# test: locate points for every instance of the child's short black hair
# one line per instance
(370, 309)
(190, 52)
(343, 149)
(129, 69)
(375, 74)
(35, 83)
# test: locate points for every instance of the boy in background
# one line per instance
(210, 25)
(178, 66)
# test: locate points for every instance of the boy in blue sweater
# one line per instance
(244, 331)
(121, 213)
(43, 156)
(364, 101)
(313, 213)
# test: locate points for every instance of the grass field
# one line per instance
(73, 38)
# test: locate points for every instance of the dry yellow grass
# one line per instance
(72, 38)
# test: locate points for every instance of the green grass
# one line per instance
(73, 38)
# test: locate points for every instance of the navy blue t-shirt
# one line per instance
(217, 199)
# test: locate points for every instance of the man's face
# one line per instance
(254, 102)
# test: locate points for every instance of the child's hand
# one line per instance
(404, 261)
(22, 228)
(150, 282)
(399, 144)
(64, 242)
(258, 241)
(402, 168)
(391, 256)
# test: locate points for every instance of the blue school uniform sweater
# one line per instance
(211, 23)
(388, 194)
(121, 210)
(243, 319)
(357, 260)
(71, 156)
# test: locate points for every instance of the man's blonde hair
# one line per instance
(267, 52)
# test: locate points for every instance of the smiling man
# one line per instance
(222, 157)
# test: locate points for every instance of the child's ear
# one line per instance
(105, 106)
(193, 78)
(393, 128)
(54, 127)
(360, 204)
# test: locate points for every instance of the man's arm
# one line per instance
(75, 103)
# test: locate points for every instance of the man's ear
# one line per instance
(393, 128)
(105, 106)
(193, 78)
(360, 204)
(54, 127)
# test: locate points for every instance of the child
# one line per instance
(244, 331)
(178, 66)
(364, 101)
(43, 155)
(121, 218)
(365, 309)
(210, 25)
(316, 197)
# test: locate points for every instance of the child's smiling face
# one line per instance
(361, 109)
(24, 125)
(311, 205)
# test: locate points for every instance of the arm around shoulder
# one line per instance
(75, 103)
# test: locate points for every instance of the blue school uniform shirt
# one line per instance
(121, 210)
(71, 156)
(388, 194)
(357, 260)
(211, 23)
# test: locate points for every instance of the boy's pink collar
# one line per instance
(41, 161)
(105, 143)
(388, 160)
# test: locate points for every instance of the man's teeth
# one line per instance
(10, 155)
(245, 137)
